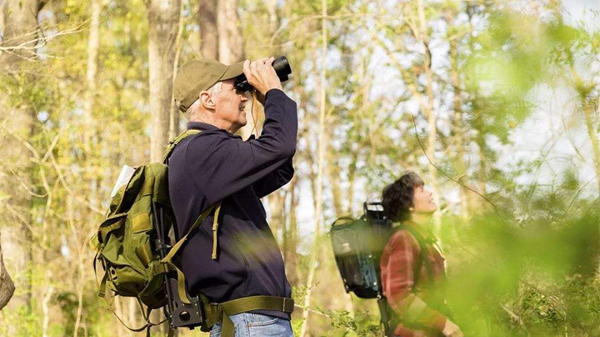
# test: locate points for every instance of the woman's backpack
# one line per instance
(357, 246)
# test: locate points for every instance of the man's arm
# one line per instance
(275, 180)
(399, 282)
(222, 164)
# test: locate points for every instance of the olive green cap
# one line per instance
(199, 75)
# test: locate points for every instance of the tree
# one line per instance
(164, 24)
(20, 32)
(209, 35)
(7, 287)
(221, 31)
(321, 163)
(88, 141)
(231, 43)
(457, 120)
(92, 69)
(163, 20)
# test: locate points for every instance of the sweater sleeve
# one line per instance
(269, 184)
(222, 164)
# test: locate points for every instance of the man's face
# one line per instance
(229, 106)
(423, 200)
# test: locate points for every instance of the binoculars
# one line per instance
(281, 66)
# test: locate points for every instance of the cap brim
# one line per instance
(233, 71)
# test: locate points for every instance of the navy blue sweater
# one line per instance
(214, 166)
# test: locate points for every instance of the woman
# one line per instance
(412, 269)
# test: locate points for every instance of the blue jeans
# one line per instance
(256, 325)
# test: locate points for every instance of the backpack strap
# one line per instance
(109, 298)
(215, 229)
(172, 144)
(423, 258)
(168, 260)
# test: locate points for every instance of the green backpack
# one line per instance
(125, 241)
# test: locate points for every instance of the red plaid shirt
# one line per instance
(413, 302)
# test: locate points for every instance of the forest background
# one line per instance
(494, 103)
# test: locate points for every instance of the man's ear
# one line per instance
(206, 100)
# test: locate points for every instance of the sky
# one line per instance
(580, 10)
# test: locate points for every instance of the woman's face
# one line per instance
(423, 201)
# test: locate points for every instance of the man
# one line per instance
(234, 256)
(412, 269)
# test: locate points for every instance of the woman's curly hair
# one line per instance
(397, 198)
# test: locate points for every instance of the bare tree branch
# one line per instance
(36, 39)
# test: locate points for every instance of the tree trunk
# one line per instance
(351, 185)
(164, 24)
(273, 20)
(321, 162)
(7, 287)
(229, 28)
(19, 19)
(290, 236)
(118, 307)
(80, 283)
(207, 17)
(333, 173)
(483, 163)
(460, 165)
(478, 126)
(423, 37)
(175, 113)
(92, 71)
(163, 20)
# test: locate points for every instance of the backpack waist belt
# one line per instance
(220, 312)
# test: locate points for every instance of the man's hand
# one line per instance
(452, 330)
(261, 75)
